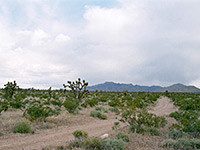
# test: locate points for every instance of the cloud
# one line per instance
(139, 42)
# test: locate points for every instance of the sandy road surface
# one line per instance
(163, 107)
(56, 137)
(59, 136)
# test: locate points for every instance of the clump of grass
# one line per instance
(22, 127)
(98, 114)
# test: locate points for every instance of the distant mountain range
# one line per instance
(119, 87)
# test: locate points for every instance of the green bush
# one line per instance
(135, 128)
(99, 108)
(195, 143)
(80, 134)
(22, 127)
(1, 133)
(153, 131)
(75, 143)
(93, 143)
(169, 143)
(116, 125)
(102, 116)
(122, 136)
(112, 144)
(184, 144)
(175, 134)
(98, 114)
(71, 105)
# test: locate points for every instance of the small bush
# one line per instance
(1, 133)
(153, 131)
(122, 136)
(99, 108)
(71, 105)
(169, 143)
(184, 144)
(112, 144)
(80, 134)
(195, 143)
(22, 127)
(175, 134)
(135, 128)
(116, 125)
(93, 143)
(98, 114)
(102, 116)
(75, 143)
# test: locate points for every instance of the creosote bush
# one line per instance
(112, 144)
(175, 134)
(93, 143)
(182, 144)
(22, 127)
(153, 131)
(1, 133)
(136, 129)
(98, 114)
(122, 136)
(80, 134)
(169, 143)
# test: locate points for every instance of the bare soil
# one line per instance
(61, 135)
(163, 107)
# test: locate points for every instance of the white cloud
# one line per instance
(140, 41)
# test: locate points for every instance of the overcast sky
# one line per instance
(45, 43)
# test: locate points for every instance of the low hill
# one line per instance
(179, 88)
(119, 87)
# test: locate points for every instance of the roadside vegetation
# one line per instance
(38, 107)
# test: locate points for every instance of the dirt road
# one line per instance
(54, 137)
(59, 136)
(163, 107)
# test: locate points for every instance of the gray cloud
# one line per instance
(140, 42)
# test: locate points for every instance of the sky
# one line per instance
(46, 43)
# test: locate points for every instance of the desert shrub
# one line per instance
(80, 134)
(1, 133)
(94, 113)
(169, 143)
(135, 128)
(98, 114)
(123, 136)
(102, 116)
(112, 144)
(175, 134)
(75, 143)
(93, 143)
(195, 143)
(99, 108)
(71, 105)
(60, 148)
(92, 102)
(153, 131)
(22, 127)
(184, 144)
(39, 110)
(116, 125)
